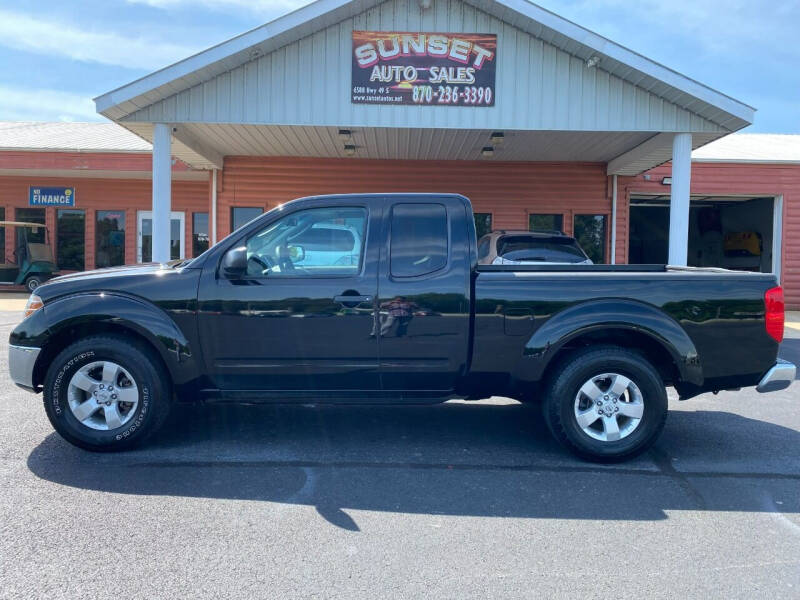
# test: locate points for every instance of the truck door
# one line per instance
(303, 316)
(423, 305)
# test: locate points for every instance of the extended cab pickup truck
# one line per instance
(380, 298)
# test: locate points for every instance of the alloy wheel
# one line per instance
(609, 407)
(103, 395)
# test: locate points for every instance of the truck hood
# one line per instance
(124, 278)
(121, 271)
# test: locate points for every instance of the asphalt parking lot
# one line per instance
(461, 500)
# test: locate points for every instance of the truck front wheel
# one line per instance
(106, 393)
(606, 403)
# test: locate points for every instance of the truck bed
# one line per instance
(717, 314)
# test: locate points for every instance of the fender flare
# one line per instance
(597, 315)
(131, 313)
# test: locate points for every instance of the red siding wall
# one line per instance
(508, 190)
(731, 179)
(130, 195)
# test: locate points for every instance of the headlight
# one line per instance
(34, 303)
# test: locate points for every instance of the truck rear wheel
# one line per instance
(105, 393)
(606, 404)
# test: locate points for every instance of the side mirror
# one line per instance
(234, 263)
(297, 253)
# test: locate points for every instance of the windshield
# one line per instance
(540, 249)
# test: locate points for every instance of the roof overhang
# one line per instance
(204, 144)
(562, 33)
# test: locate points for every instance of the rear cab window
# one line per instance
(419, 240)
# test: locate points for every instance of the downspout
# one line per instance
(213, 207)
(614, 220)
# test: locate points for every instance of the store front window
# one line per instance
(30, 215)
(590, 232)
(483, 224)
(144, 248)
(243, 214)
(70, 239)
(552, 222)
(199, 233)
(110, 238)
(2, 236)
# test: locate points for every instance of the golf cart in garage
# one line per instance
(33, 260)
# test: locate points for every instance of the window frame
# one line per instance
(491, 225)
(232, 228)
(606, 234)
(124, 214)
(58, 234)
(3, 259)
(242, 241)
(531, 213)
(449, 249)
(208, 231)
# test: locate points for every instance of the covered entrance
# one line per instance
(526, 113)
(731, 232)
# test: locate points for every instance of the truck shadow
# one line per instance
(453, 459)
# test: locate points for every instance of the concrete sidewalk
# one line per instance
(13, 301)
(793, 319)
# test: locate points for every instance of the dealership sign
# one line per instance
(436, 69)
(51, 196)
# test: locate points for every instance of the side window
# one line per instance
(314, 242)
(419, 239)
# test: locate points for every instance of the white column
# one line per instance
(679, 199)
(614, 220)
(213, 224)
(162, 191)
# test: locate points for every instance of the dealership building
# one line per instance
(541, 123)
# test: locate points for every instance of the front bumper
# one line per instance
(779, 377)
(21, 360)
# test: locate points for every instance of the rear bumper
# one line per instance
(21, 360)
(779, 377)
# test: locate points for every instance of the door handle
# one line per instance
(351, 301)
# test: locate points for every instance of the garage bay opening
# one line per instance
(729, 232)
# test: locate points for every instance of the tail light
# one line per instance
(773, 301)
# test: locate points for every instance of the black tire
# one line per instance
(581, 366)
(33, 282)
(149, 375)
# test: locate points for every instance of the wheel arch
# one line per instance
(69, 334)
(627, 324)
(76, 317)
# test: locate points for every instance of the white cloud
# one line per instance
(30, 104)
(262, 7)
(23, 32)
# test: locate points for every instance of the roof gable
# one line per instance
(182, 81)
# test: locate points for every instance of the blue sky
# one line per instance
(57, 55)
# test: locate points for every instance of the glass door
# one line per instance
(144, 242)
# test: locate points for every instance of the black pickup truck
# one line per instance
(380, 298)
